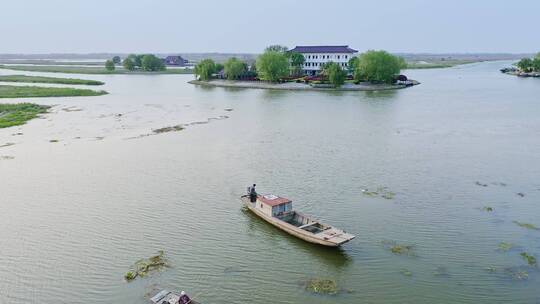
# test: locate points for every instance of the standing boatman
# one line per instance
(252, 193)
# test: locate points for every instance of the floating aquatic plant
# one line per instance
(168, 129)
(322, 286)
(491, 269)
(526, 225)
(488, 208)
(402, 249)
(143, 266)
(505, 246)
(406, 272)
(380, 191)
(441, 271)
(529, 258)
(480, 184)
(517, 273)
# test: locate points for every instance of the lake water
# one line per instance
(77, 213)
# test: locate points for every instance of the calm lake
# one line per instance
(77, 213)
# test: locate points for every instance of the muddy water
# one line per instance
(77, 212)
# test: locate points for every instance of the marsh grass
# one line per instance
(87, 70)
(41, 79)
(7, 91)
(19, 113)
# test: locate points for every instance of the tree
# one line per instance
(276, 48)
(152, 63)
(297, 60)
(128, 64)
(536, 64)
(352, 64)
(116, 60)
(525, 64)
(377, 66)
(335, 74)
(109, 65)
(219, 67)
(272, 65)
(402, 62)
(234, 68)
(136, 59)
(205, 69)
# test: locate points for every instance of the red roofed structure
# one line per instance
(273, 200)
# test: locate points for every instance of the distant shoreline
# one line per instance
(293, 86)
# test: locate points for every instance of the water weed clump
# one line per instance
(322, 286)
(531, 260)
(143, 267)
(488, 208)
(517, 274)
(526, 225)
(380, 192)
(505, 246)
(401, 249)
(168, 129)
(406, 272)
(441, 271)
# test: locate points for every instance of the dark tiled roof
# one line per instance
(324, 49)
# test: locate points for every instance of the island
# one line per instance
(526, 67)
(318, 68)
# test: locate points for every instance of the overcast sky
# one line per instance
(247, 26)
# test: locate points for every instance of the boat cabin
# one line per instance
(273, 205)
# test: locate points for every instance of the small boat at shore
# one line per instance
(278, 212)
(171, 297)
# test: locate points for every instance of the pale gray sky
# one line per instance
(81, 26)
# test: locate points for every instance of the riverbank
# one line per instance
(41, 79)
(517, 72)
(8, 91)
(88, 70)
(299, 86)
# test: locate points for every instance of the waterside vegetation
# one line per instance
(89, 69)
(8, 91)
(19, 113)
(41, 79)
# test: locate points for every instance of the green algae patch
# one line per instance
(380, 192)
(505, 246)
(526, 225)
(16, 114)
(143, 267)
(322, 286)
(531, 260)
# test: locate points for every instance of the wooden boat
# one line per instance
(278, 212)
(168, 297)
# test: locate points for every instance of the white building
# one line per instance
(316, 56)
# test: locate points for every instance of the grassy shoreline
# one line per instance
(7, 91)
(437, 65)
(19, 113)
(41, 79)
(88, 70)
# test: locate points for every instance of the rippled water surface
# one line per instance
(75, 214)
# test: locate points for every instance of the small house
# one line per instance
(273, 205)
(175, 60)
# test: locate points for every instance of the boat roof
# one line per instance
(273, 200)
